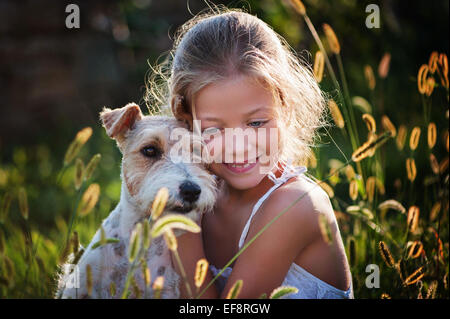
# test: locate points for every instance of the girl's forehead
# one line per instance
(235, 95)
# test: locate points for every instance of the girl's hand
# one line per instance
(190, 250)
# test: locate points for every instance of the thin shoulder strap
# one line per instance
(288, 173)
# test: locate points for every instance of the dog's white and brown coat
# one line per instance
(142, 176)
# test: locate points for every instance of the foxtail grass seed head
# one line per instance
(84, 135)
(332, 39)
(353, 209)
(430, 86)
(75, 242)
(298, 6)
(327, 188)
(158, 285)
(91, 166)
(172, 221)
(370, 122)
(435, 210)
(74, 148)
(415, 249)
(89, 279)
(412, 219)
(234, 291)
(370, 188)
(401, 137)
(380, 186)
(369, 147)
(362, 104)
(9, 270)
(370, 138)
(23, 202)
(146, 236)
(282, 291)
(79, 170)
(414, 277)
(171, 240)
(336, 113)
(386, 254)
(135, 242)
(319, 63)
(350, 172)
(146, 273)
(433, 61)
(89, 199)
(370, 77)
(431, 135)
(160, 202)
(392, 204)
(434, 164)
(411, 169)
(383, 67)
(200, 272)
(6, 204)
(367, 213)
(422, 79)
(64, 253)
(353, 190)
(443, 165)
(388, 126)
(443, 63)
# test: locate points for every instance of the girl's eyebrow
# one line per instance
(257, 109)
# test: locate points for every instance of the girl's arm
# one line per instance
(190, 250)
(265, 263)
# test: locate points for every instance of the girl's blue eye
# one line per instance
(256, 123)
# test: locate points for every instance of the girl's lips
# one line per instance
(240, 168)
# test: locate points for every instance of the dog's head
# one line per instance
(156, 153)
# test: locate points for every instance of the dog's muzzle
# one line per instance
(189, 193)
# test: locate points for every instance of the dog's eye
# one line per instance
(150, 151)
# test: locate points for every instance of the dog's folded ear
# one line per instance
(120, 120)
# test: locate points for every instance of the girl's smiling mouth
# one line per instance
(239, 168)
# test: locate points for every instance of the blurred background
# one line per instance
(55, 80)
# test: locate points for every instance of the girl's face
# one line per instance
(240, 128)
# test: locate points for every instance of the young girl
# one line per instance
(231, 70)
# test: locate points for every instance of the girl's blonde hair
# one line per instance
(222, 42)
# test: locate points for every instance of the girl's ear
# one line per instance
(179, 110)
(120, 120)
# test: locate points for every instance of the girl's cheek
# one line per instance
(268, 145)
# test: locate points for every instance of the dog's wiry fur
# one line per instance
(142, 177)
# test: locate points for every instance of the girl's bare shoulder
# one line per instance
(303, 202)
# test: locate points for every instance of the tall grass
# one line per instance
(48, 202)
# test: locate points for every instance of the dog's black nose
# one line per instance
(190, 191)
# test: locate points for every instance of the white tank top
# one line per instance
(308, 285)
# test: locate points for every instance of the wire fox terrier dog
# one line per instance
(148, 164)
